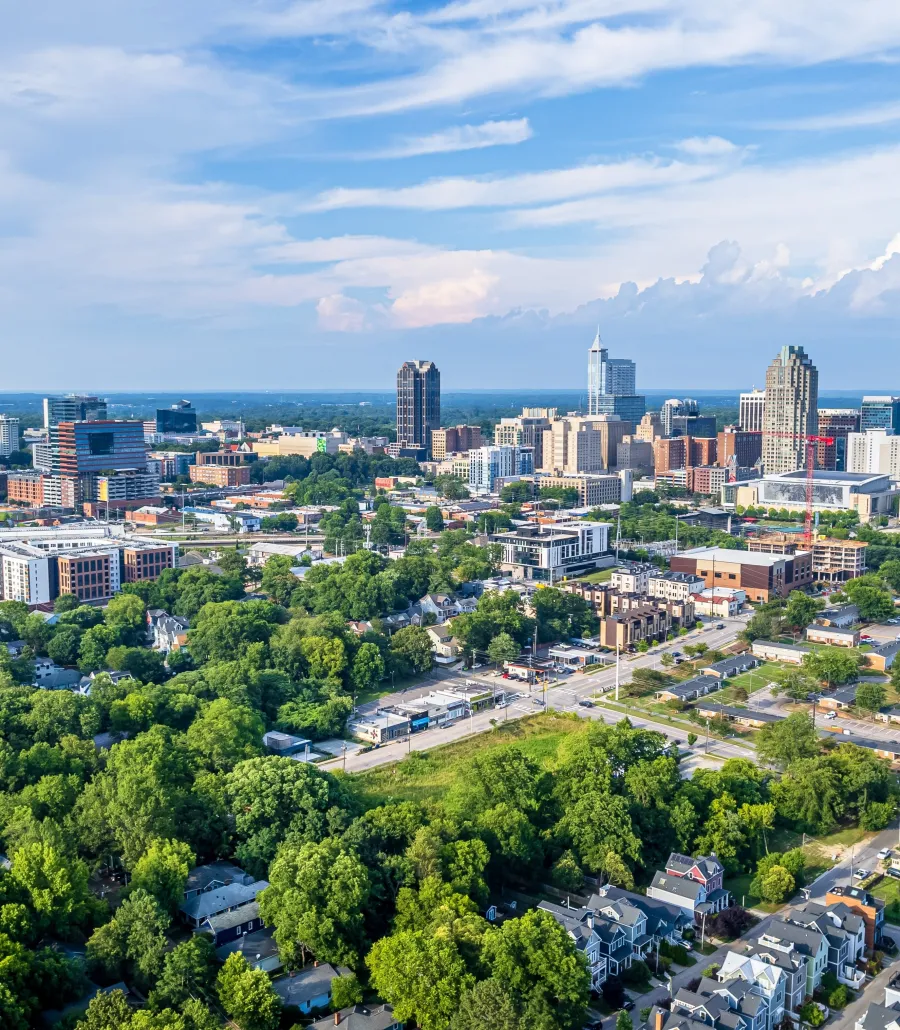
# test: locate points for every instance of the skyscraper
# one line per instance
(791, 410)
(74, 407)
(836, 423)
(752, 406)
(418, 404)
(9, 435)
(611, 385)
(880, 413)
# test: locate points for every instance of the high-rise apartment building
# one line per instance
(418, 404)
(675, 408)
(454, 440)
(836, 423)
(880, 413)
(526, 430)
(750, 412)
(791, 410)
(611, 385)
(9, 435)
(488, 464)
(874, 451)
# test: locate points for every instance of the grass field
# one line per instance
(601, 576)
(430, 774)
(889, 891)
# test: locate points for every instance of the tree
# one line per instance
(487, 1004)
(162, 871)
(411, 650)
(65, 603)
(801, 609)
(599, 823)
(63, 648)
(871, 697)
(368, 667)
(623, 1021)
(126, 617)
(247, 996)
(144, 665)
(832, 665)
(56, 885)
(875, 604)
(451, 488)
(434, 521)
(422, 975)
(517, 492)
(787, 740)
(133, 942)
(107, 1012)
(346, 991)
(315, 901)
(225, 734)
(188, 971)
(776, 885)
(234, 563)
(503, 649)
(890, 573)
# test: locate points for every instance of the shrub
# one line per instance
(637, 974)
(838, 997)
(613, 992)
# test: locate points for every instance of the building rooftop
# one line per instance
(728, 554)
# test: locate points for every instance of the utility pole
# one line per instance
(703, 932)
(707, 736)
(617, 669)
(344, 754)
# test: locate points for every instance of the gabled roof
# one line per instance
(227, 920)
(360, 1017)
(680, 886)
(211, 903)
(309, 983)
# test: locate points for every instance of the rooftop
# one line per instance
(728, 554)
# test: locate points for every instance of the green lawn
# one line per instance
(889, 891)
(600, 576)
(423, 775)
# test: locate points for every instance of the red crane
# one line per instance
(810, 442)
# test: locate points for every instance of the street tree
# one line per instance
(503, 649)
(247, 995)
(871, 697)
(162, 871)
(786, 741)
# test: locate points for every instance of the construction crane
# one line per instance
(810, 443)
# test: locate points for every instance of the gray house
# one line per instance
(360, 1017)
(310, 988)
(579, 924)
(207, 904)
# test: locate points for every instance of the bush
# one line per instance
(732, 922)
(644, 1013)
(613, 992)
(693, 984)
(637, 974)
(675, 952)
(811, 1014)
(711, 970)
(838, 997)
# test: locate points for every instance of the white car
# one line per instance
(831, 715)
(884, 854)
(861, 874)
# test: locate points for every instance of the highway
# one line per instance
(562, 696)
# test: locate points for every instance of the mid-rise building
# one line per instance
(302, 443)
(739, 447)
(751, 411)
(73, 407)
(25, 574)
(834, 561)
(42, 456)
(649, 427)
(791, 410)
(576, 444)
(706, 479)
(593, 488)
(179, 418)
(220, 475)
(128, 488)
(526, 430)
(89, 575)
(9, 435)
(95, 448)
(169, 464)
(550, 553)
(676, 408)
(25, 488)
(225, 428)
(761, 576)
(633, 453)
(875, 451)
(147, 561)
(455, 440)
(418, 405)
(693, 425)
(681, 452)
(489, 465)
(880, 413)
(835, 424)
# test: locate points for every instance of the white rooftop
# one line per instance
(729, 554)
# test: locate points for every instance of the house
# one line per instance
(767, 978)
(213, 875)
(880, 1017)
(839, 701)
(284, 743)
(740, 716)
(632, 919)
(844, 932)
(886, 749)
(167, 632)
(719, 602)
(579, 924)
(737, 1005)
(664, 922)
(692, 884)
(50, 676)
(770, 651)
(834, 636)
(443, 643)
(889, 715)
(197, 909)
(882, 658)
(802, 951)
(258, 947)
(690, 690)
(233, 924)
(360, 1017)
(310, 988)
(859, 902)
(729, 667)
(444, 606)
(841, 616)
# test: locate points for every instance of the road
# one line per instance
(562, 696)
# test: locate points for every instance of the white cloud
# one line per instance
(340, 314)
(706, 146)
(508, 191)
(462, 137)
(860, 118)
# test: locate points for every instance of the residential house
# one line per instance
(770, 651)
(739, 716)
(729, 667)
(310, 988)
(693, 884)
(360, 1017)
(735, 1005)
(860, 903)
(258, 947)
(882, 658)
(802, 951)
(889, 715)
(443, 643)
(767, 978)
(844, 932)
(444, 607)
(840, 700)
(842, 616)
(630, 917)
(166, 632)
(833, 636)
(879, 1017)
(196, 910)
(50, 676)
(664, 922)
(235, 923)
(690, 690)
(212, 876)
(579, 923)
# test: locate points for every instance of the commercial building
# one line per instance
(611, 385)
(25, 488)
(418, 405)
(89, 575)
(680, 452)
(549, 553)
(169, 464)
(706, 479)
(751, 410)
(25, 574)
(834, 561)
(836, 424)
(71, 408)
(761, 576)
(526, 430)
(454, 440)
(226, 521)
(738, 447)
(96, 448)
(869, 495)
(649, 427)
(633, 453)
(179, 418)
(220, 475)
(593, 489)
(693, 425)
(9, 435)
(129, 488)
(880, 413)
(675, 408)
(487, 465)
(791, 410)
(302, 443)
(577, 444)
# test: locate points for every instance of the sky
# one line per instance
(300, 194)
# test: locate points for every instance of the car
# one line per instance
(501, 704)
(678, 661)
(586, 704)
(886, 944)
(687, 945)
(720, 625)
(537, 701)
(594, 1024)
(675, 654)
(884, 854)
(627, 1005)
(861, 874)
(831, 715)
(893, 872)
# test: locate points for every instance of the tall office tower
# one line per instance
(611, 385)
(682, 409)
(836, 423)
(526, 430)
(649, 427)
(74, 407)
(418, 404)
(752, 406)
(791, 410)
(180, 418)
(91, 451)
(880, 413)
(9, 435)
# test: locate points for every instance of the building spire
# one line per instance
(598, 343)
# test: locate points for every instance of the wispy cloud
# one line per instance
(706, 146)
(461, 137)
(860, 118)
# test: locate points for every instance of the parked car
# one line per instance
(720, 625)
(627, 1005)
(537, 701)
(831, 715)
(678, 661)
(861, 874)
(884, 854)
(676, 654)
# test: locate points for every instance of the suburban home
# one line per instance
(737, 1004)
(196, 910)
(443, 643)
(50, 676)
(832, 635)
(801, 951)
(739, 716)
(693, 884)
(768, 979)
(258, 947)
(844, 932)
(729, 667)
(230, 926)
(882, 658)
(690, 690)
(631, 918)
(579, 924)
(847, 902)
(880, 1017)
(664, 922)
(840, 700)
(360, 1017)
(310, 988)
(770, 651)
(443, 607)
(841, 616)
(889, 715)
(213, 875)
(166, 632)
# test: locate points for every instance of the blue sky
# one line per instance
(226, 193)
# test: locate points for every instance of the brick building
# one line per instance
(89, 575)
(140, 563)
(220, 475)
(760, 576)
